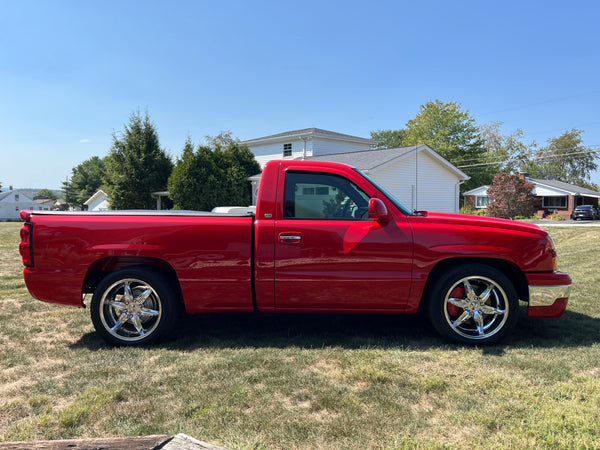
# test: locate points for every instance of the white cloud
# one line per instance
(84, 141)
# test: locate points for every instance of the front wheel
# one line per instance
(473, 304)
(134, 306)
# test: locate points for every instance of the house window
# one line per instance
(317, 190)
(287, 150)
(555, 202)
(481, 201)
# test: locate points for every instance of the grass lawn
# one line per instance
(243, 381)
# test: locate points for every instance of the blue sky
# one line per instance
(71, 72)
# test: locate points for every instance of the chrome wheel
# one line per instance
(130, 309)
(476, 307)
(135, 306)
(473, 304)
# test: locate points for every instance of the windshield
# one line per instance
(403, 209)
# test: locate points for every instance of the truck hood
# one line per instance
(478, 221)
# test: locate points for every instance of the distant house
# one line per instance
(416, 175)
(98, 202)
(13, 201)
(45, 204)
(555, 196)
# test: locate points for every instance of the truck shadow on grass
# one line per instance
(356, 331)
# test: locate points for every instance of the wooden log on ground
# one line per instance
(179, 442)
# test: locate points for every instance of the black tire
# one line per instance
(473, 304)
(135, 306)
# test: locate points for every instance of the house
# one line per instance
(303, 143)
(417, 176)
(98, 202)
(555, 196)
(45, 204)
(13, 201)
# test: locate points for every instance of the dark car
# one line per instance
(585, 212)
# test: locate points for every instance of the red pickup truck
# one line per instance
(324, 239)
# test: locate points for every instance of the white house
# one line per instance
(98, 202)
(13, 201)
(417, 176)
(305, 143)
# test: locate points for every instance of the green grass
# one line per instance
(302, 381)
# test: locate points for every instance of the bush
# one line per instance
(474, 212)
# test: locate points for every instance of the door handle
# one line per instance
(290, 238)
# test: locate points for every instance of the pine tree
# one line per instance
(136, 166)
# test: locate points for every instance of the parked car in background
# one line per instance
(585, 212)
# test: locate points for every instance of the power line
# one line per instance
(538, 158)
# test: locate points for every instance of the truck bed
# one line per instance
(210, 254)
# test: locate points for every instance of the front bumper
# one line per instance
(548, 294)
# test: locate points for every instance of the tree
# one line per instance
(222, 140)
(192, 173)
(211, 176)
(86, 180)
(566, 159)
(45, 193)
(388, 138)
(452, 133)
(136, 165)
(511, 196)
(505, 153)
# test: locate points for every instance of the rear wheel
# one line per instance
(474, 304)
(134, 306)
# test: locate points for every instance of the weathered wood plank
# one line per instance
(136, 443)
(184, 442)
(179, 442)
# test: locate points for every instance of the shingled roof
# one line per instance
(373, 159)
(313, 132)
(569, 188)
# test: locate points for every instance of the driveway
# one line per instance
(567, 223)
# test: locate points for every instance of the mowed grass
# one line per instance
(244, 381)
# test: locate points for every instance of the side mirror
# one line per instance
(378, 210)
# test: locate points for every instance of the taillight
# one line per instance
(26, 247)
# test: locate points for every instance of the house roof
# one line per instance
(369, 160)
(309, 132)
(5, 194)
(566, 187)
(481, 190)
(99, 194)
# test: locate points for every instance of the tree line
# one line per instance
(215, 172)
(206, 175)
(482, 151)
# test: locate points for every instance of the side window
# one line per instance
(310, 195)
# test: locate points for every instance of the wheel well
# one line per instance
(512, 272)
(103, 267)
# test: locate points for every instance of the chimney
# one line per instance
(523, 175)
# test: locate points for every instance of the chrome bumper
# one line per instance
(547, 295)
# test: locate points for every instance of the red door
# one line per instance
(330, 256)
